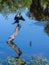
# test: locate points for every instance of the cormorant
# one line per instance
(18, 18)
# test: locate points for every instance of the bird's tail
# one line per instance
(14, 22)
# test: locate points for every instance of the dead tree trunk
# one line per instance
(12, 37)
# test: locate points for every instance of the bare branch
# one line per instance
(12, 37)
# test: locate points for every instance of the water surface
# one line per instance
(31, 30)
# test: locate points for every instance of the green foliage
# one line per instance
(44, 2)
(15, 61)
(13, 5)
(40, 10)
(37, 60)
(31, 60)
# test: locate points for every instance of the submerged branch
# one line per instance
(12, 37)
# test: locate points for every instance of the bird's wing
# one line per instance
(22, 18)
(15, 18)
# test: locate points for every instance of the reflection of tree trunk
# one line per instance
(12, 37)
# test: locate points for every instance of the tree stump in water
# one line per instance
(12, 37)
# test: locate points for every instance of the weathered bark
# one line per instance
(12, 37)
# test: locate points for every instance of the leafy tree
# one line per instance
(13, 5)
(40, 9)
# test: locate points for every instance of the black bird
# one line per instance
(18, 18)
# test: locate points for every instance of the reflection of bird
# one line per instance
(18, 18)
